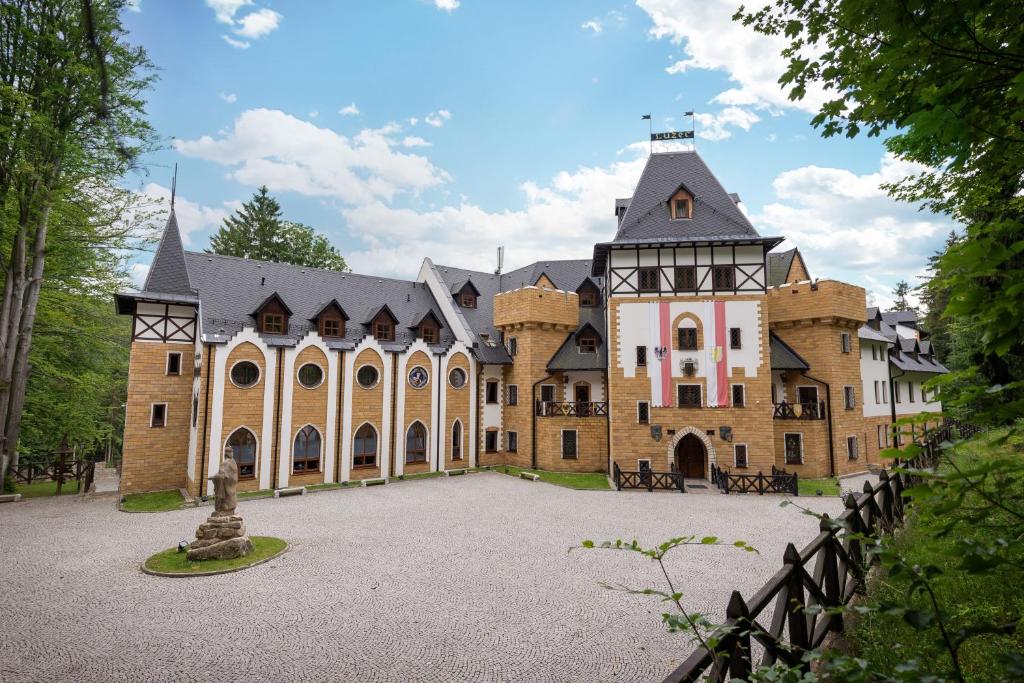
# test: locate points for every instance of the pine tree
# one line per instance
(901, 292)
(258, 231)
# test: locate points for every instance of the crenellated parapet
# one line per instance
(537, 306)
(828, 302)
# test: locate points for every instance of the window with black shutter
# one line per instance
(648, 279)
(643, 412)
(740, 454)
(735, 338)
(569, 449)
(738, 397)
(687, 338)
(641, 356)
(794, 449)
(689, 395)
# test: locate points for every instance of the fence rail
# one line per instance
(827, 573)
(799, 411)
(59, 470)
(668, 481)
(779, 481)
(572, 408)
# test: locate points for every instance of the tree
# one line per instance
(901, 293)
(257, 231)
(71, 119)
(944, 80)
(935, 297)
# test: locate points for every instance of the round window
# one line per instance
(457, 378)
(245, 374)
(310, 376)
(367, 376)
(418, 378)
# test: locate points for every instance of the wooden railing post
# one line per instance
(796, 484)
(830, 574)
(886, 503)
(855, 550)
(796, 619)
(738, 616)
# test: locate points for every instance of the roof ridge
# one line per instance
(346, 273)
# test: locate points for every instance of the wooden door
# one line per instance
(690, 457)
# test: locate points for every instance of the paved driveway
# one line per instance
(462, 578)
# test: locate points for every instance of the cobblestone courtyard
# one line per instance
(462, 578)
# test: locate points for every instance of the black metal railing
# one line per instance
(572, 408)
(646, 479)
(827, 574)
(800, 411)
(779, 481)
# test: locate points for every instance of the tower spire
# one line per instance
(174, 186)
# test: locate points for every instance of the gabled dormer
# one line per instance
(589, 294)
(680, 204)
(588, 339)
(330, 320)
(272, 315)
(382, 324)
(465, 294)
(428, 328)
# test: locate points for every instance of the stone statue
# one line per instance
(224, 484)
(222, 536)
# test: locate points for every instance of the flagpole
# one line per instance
(650, 129)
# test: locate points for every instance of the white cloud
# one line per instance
(436, 119)
(593, 25)
(313, 114)
(447, 5)
(848, 228)
(716, 126)
(134, 5)
(560, 219)
(225, 10)
(258, 24)
(230, 97)
(711, 40)
(271, 147)
(350, 110)
(192, 216)
(138, 273)
(414, 141)
(413, 121)
(240, 44)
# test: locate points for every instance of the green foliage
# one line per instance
(258, 231)
(155, 501)
(172, 561)
(901, 293)
(944, 80)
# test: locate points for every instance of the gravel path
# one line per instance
(462, 578)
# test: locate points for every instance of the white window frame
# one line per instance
(878, 393)
(817, 394)
(849, 388)
(853, 454)
(508, 441)
(509, 390)
(561, 444)
(738, 384)
(885, 392)
(152, 414)
(746, 450)
(323, 376)
(167, 365)
(784, 460)
(648, 413)
(259, 374)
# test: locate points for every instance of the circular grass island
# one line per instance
(172, 562)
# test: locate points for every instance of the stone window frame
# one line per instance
(457, 444)
(511, 394)
(852, 447)
(259, 373)
(408, 377)
(152, 415)
(426, 443)
(700, 391)
(639, 416)
(323, 376)
(743, 394)
(698, 324)
(364, 455)
(575, 455)
(736, 458)
(849, 396)
(512, 441)
(465, 378)
(785, 452)
(306, 459)
(376, 381)
(167, 366)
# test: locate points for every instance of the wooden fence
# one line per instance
(670, 481)
(58, 470)
(779, 481)
(827, 573)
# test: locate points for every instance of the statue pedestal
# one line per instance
(220, 538)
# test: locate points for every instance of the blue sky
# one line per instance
(444, 128)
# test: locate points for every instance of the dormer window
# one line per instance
(588, 344)
(330, 328)
(589, 295)
(467, 300)
(272, 315)
(680, 208)
(466, 295)
(383, 331)
(330, 320)
(273, 323)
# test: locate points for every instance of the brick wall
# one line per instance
(367, 407)
(309, 407)
(457, 407)
(418, 404)
(244, 408)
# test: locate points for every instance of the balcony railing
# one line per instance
(800, 411)
(572, 408)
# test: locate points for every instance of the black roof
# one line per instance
(168, 273)
(568, 356)
(779, 264)
(783, 357)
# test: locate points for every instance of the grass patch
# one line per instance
(249, 495)
(156, 501)
(885, 641)
(422, 475)
(325, 487)
(583, 481)
(41, 489)
(810, 487)
(173, 562)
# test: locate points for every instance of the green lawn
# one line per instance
(590, 481)
(810, 487)
(175, 562)
(156, 501)
(249, 495)
(40, 489)
(422, 475)
(885, 640)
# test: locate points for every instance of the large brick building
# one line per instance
(684, 342)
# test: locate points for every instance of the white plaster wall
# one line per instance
(871, 371)
(490, 414)
(403, 389)
(906, 407)
(594, 377)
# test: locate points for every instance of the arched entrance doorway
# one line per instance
(691, 457)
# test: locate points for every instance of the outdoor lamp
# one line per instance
(182, 546)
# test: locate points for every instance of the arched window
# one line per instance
(457, 441)
(243, 449)
(416, 443)
(306, 454)
(364, 453)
